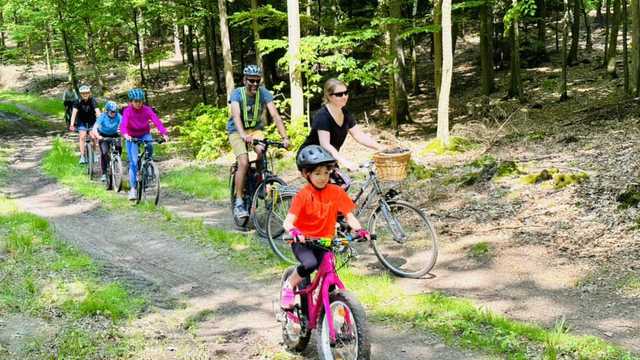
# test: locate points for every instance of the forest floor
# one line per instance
(547, 253)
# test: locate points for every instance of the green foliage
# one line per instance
(457, 144)
(544, 175)
(203, 133)
(521, 9)
(44, 105)
(630, 197)
(208, 182)
(479, 250)
(110, 300)
(562, 180)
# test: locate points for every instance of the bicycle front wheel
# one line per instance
(151, 183)
(350, 324)
(275, 231)
(89, 157)
(262, 201)
(405, 242)
(116, 173)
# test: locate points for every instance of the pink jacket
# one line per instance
(135, 123)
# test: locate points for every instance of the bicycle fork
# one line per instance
(399, 235)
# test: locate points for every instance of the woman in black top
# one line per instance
(331, 124)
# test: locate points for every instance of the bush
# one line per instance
(203, 132)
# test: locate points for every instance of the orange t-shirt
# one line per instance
(317, 211)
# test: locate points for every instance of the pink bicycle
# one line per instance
(342, 332)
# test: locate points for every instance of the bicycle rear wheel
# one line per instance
(405, 242)
(350, 325)
(262, 201)
(109, 175)
(240, 222)
(88, 153)
(275, 231)
(116, 173)
(295, 335)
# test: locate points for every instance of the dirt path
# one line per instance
(181, 278)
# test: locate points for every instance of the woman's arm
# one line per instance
(325, 141)
(365, 139)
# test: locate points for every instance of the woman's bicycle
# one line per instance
(114, 166)
(90, 156)
(405, 241)
(148, 175)
(325, 304)
(259, 187)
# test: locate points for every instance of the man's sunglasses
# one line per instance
(341, 93)
(254, 81)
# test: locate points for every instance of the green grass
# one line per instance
(479, 250)
(456, 320)
(41, 275)
(49, 106)
(457, 144)
(32, 121)
(209, 182)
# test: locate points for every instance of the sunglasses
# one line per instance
(253, 81)
(341, 93)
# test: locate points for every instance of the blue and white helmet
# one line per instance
(84, 89)
(136, 94)
(111, 106)
(252, 70)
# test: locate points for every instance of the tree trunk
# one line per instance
(191, 62)
(625, 53)
(565, 40)
(607, 20)
(635, 47)
(48, 50)
(256, 34)
(613, 39)
(139, 46)
(486, 58)
(203, 80)
(177, 51)
(414, 56)
(68, 51)
(447, 73)
(226, 47)
(92, 54)
(587, 25)
(320, 28)
(3, 43)
(183, 46)
(437, 47)
(575, 33)
(515, 90)
(540, 14)
(557, 26)
(295, 77)
(215, 71)
(395, 11)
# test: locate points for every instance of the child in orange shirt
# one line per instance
(313, 214)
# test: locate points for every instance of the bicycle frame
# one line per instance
(317, 293)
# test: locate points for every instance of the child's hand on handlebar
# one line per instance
(363, 234)
(296, 235)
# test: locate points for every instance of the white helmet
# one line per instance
(84, 89)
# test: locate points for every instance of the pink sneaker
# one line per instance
(287, 297)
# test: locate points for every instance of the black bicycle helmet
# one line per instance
(313, 156)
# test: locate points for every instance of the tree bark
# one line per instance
(625, 53)
(191, 62)
(447, 73)
(92, 54)
(68, 51)
(177, 51)
(139, 46)
(515, 90)
(613, 39)
(486, 58)
(295, 77)
(607, 21)
(565, 40)
(437, 47)
(256, 34)
(414, 56)
(215, 71)
(203, 80)
(635, 47)
(575, 33)
(48, 49)
(226, 47)
(395, 11)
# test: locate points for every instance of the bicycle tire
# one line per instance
(292, 341)
(261, 203)
(150, 189)
(109, 175)
(355, 341)
(116, 173)
(88, 153)
(240, 223)
(275, 231)
(417, 254)
(140, 181)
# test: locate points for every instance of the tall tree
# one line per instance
(415, 89)
(92, 53)
(437, 47)
(613, 39)
(256, 33)
(398, 89)
(295, 77)
(565, 40)
(635, 47)
(486, 53)
(226, 47)
(177, 51)
(625, 57)
(515, 88)
(447, 73)
(139, 44)
(66, 41)
(575, 33)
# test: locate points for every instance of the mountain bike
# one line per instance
(258, 189)
(325, 304)
(148, 175)
(114, 166)
(406, 242)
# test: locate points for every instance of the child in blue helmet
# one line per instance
(106, 130)
(135, 124)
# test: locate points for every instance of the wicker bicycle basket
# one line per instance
(392, 167)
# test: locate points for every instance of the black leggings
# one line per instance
(309, 257)
(104, 150)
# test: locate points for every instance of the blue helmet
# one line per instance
(136, 94)
(111, 106)
(252, 70)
